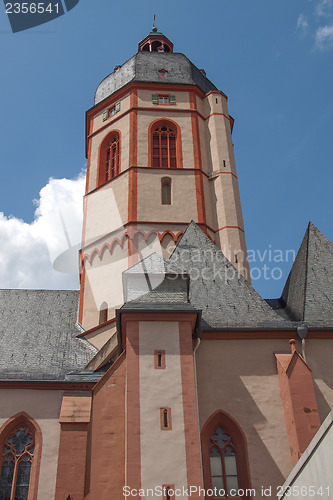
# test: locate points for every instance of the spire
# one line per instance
(154, 30)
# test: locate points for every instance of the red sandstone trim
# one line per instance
(89, 139)
(82, 287)
(192, 445)
(95, 328)
(197, 163)
(299, 401)
(213, 174)
(218, 114)
(133, 465)
(229, 227)
(72, 460)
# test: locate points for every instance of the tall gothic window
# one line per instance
(109, 160)
(16, 461)
(112, 158)
(224, 456)
(164, 147)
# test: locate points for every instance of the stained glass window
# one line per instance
(16, 460)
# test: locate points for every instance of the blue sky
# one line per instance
(272, 58)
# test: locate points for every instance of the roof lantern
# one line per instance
(155, 42)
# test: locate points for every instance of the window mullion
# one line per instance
(168, 146)
(117, 157)
(12, 494)
(160, 146)
(224, 474)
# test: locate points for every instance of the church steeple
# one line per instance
(160, 154)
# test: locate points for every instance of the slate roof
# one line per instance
(308, 293)
(38, 336)
(145, 66)
(216, 288)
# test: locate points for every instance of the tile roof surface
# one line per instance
(38, 335)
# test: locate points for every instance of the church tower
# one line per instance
(160, 154)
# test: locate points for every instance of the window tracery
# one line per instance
(16, 461)
(164, 147)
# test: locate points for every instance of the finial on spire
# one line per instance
(154, 27)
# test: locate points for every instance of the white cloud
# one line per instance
(324, 37)
(28, 251)
(323, 8)
(302, 23)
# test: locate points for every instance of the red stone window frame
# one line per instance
(159, 359)
(155, 158)
(8, 430)
(168, 491)
(164, 147)
(165, 418)
(239, 446)
(109, 158)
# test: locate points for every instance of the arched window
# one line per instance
(103, 313)
(164, 146)
(20, 442)
(109, 158)
(166, 191)
(224, 456)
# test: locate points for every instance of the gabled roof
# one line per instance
(226, 298)
(308, 293)
(216, 288)
(38, 336)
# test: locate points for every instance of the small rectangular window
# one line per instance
(112, 111)
(163, 99)
(168, 491)
(165, 416)
(159, 360)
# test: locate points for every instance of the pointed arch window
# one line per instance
(109, 161)
(224, 456)
(19, 459)
(164, 146)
